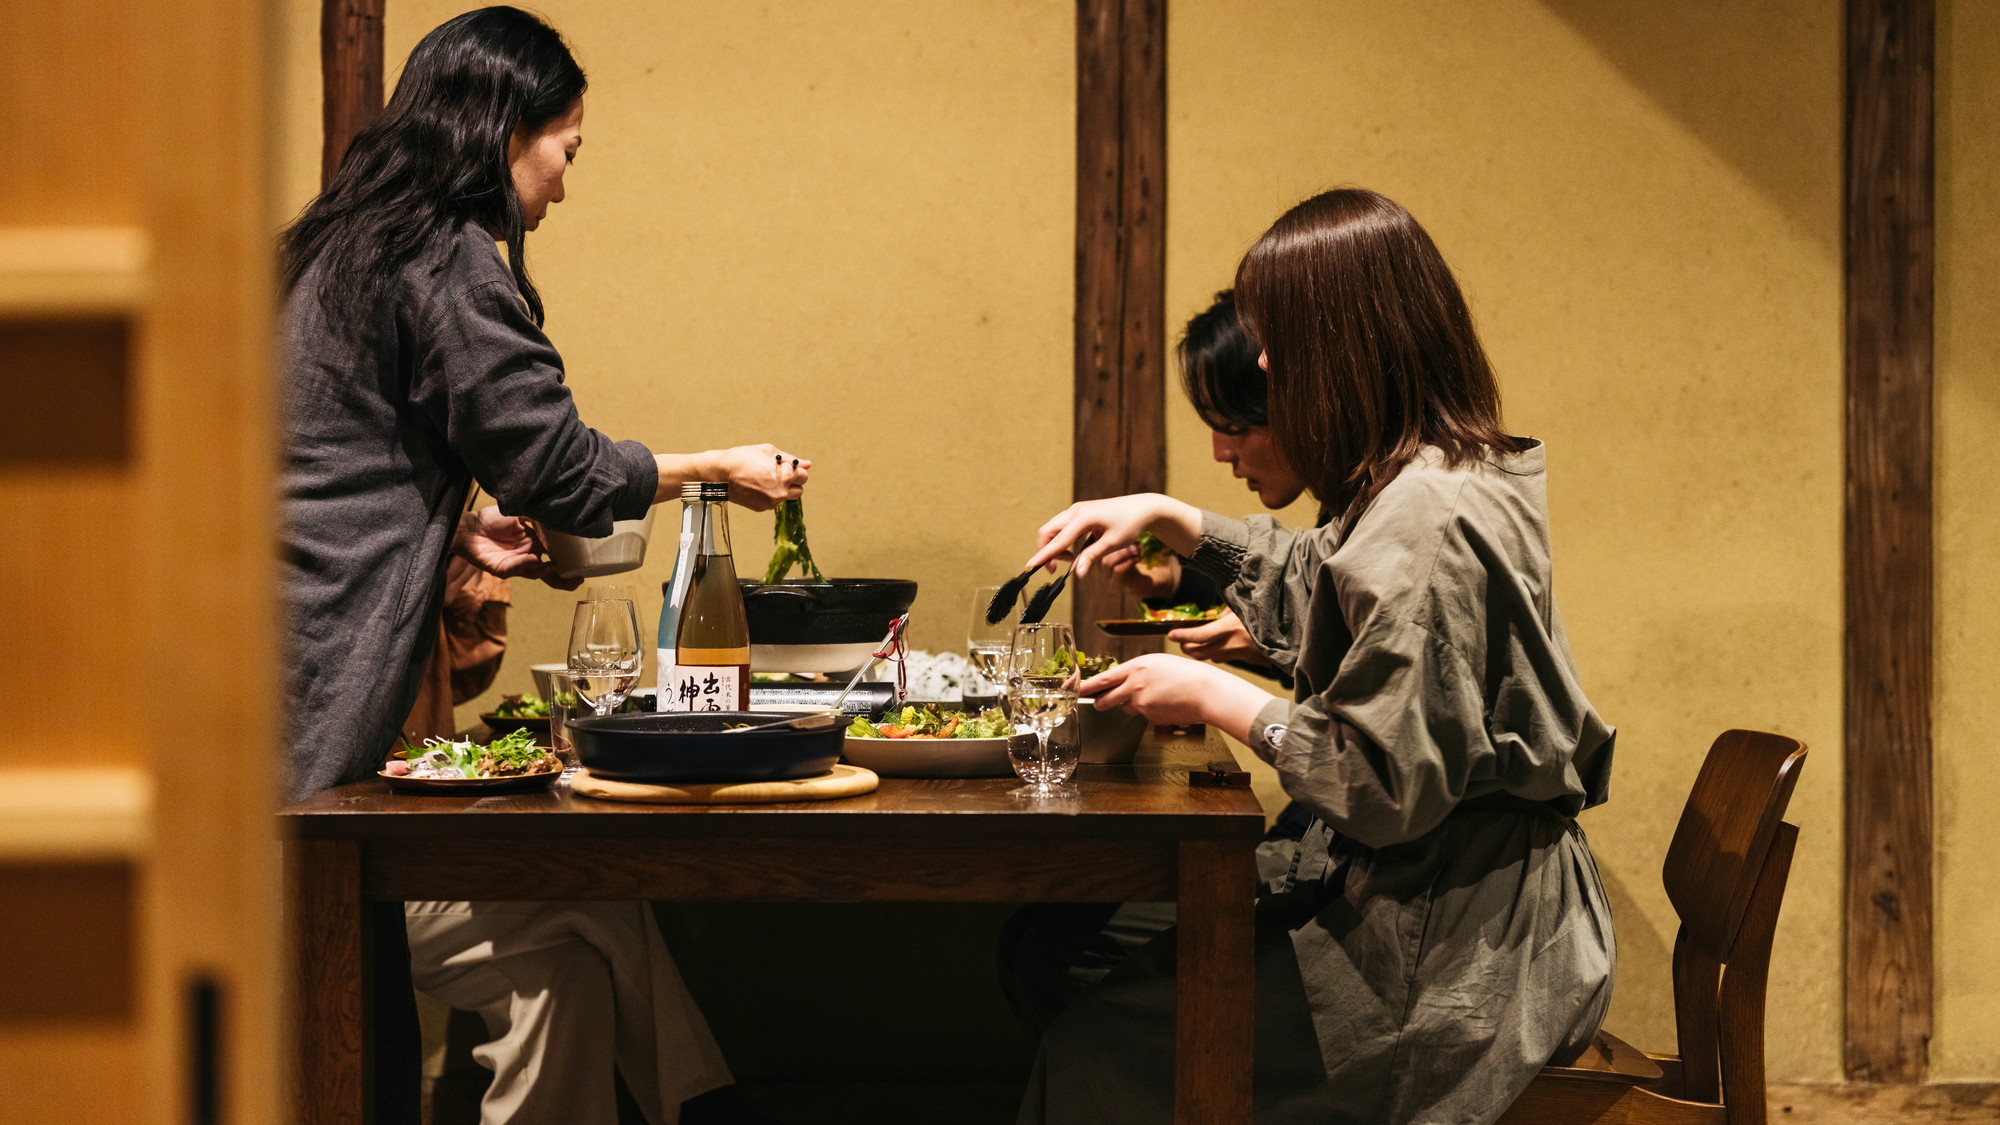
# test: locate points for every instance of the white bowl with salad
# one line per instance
(918, 740)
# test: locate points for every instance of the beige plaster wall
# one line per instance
(1642, 202)
(845, 228)
(1967, 1043)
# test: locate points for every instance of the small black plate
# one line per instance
(1147, 627)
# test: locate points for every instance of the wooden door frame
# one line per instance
(1887, 223)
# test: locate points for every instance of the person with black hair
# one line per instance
(416, 365)
(1052, 952)
(1219, 373)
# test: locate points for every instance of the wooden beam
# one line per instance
(350, 60)
(1121, 255)
(1887, 675)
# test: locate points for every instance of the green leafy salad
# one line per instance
(1066, 660)
(530, 706)
(1187, 611)
(535, 707)
(510, 755)
(919, 722)
(1152, 550)
(789, 535)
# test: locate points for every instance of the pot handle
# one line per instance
(783, 599)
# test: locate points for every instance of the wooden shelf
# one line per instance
(71, 271)
(74, 814)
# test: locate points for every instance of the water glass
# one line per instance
(987, 647)
(565, 705)
(1041, 693)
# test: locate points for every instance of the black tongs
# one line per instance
(1042, 600)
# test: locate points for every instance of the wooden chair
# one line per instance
(1725, 875)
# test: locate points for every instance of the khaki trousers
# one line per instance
(567, 989)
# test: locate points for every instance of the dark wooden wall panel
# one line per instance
(1888, 268)
(350, 58)
(1121, 252)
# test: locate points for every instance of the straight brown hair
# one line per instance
(1372, 351)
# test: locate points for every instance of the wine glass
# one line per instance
(987, 646)
(604, 653)
(1041, 692)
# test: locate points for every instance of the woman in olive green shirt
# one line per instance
(1443, 933)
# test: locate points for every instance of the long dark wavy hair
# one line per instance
(435, 158)
(1372, 350)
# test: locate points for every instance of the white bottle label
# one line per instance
(700, 687)
(664, 662)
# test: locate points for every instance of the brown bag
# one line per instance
(472, 639)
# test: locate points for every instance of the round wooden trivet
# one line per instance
(844, 781)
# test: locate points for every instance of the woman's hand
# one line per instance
(1174, 689)
(1156, 581)
(506, 546)
(1222, 639)
(759, 475)
(1117, 523)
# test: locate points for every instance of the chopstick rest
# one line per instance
(1222, 774)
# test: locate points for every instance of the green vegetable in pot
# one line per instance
(789, 535)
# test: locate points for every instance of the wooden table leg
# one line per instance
(327, 925)
(1214, 983)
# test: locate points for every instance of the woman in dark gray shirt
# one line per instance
(1443, 932)
(416, 367)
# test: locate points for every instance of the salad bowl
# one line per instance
(927, 756)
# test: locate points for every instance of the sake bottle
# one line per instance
(675, 597)
(711, 669)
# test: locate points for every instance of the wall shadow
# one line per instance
(1774, 119)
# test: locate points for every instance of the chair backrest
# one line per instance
(1725, 833)
(1725, 875)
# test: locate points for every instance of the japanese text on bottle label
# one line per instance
(701, 688)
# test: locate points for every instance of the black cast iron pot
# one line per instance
(677, 747)
(844, 611)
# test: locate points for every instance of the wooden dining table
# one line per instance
(1137, 832)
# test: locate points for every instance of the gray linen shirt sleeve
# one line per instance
(493, 385)
(1265, 570)
(1387, 750)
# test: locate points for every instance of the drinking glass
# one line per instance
(1041, 692)
(564, 705)
(987, 646)
(604, 653)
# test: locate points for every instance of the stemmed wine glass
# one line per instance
(1041, 692)
(604, 653)
(988, 646)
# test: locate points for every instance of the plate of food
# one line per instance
(511, 763)
(1162, 620)
(918, 740)
(519, 712)
(531, 712)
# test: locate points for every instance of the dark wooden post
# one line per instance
(1121, 254)
(350, 60)
(1887, 681)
